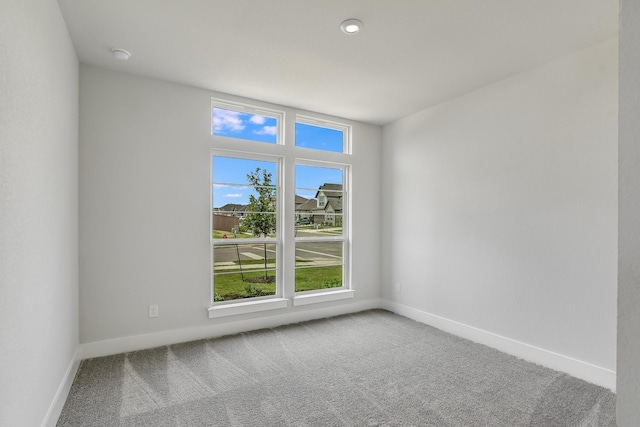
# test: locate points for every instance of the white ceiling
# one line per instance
(411, 54)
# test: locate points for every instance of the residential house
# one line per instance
(300, 201)
(232, 209)
(227, 217)
(324, 209)
(329, 205)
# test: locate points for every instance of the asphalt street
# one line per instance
(312, 251)
(227, 256)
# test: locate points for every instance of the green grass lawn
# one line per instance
(312, 278)
(231, 286)
(219, 234)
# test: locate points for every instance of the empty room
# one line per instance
(319, 213)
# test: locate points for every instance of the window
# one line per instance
(267, 253)
(326, 136)
(244, 227)
(320, 241)
(244, 122)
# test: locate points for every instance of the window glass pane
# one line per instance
(244, 271)
(235, 124)
(318, 265)
(319, 138)
(319, 197)
(244, 198)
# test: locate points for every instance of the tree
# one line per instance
(261, 218)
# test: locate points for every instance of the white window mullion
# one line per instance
(288, 231)
(346, 224)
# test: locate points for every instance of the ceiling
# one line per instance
(410, 55)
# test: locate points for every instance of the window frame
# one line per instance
(344, 238)
(287, 155)
(250, 109)
(329, 124)
(277, 240)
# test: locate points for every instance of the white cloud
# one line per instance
(220, 185)
(233, 195)
(267, 130)
(225, 120)
(257, 119)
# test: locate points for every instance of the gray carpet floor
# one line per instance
(372, 368)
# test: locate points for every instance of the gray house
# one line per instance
(325, 208)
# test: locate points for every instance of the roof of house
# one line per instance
(232, 207)
(335, 203)
(330, 190)
(308, 205)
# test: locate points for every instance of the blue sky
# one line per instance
(320, 138)
(230, 174)
(255, 127)
(244, 126)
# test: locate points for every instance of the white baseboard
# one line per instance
(174, 336)
(576, 368)
(594, 374)
(55, 409)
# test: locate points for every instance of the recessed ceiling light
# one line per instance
(351, 26)
(120, 54)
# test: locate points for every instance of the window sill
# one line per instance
(247, 307)
(319, 297)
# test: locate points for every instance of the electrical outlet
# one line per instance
(153, 311)
(397, 288)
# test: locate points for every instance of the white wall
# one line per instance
(144, 210)
(501, 208)
(38, 209)
(628, 386)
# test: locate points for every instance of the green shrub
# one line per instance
(333, 283)
(254, 291)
